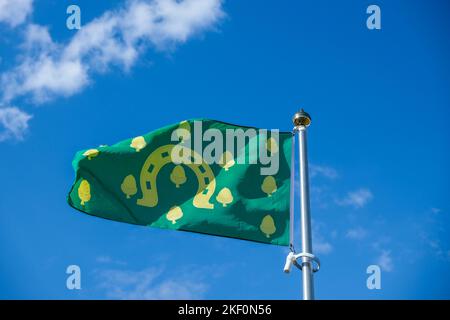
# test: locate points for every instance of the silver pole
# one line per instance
(302, 120)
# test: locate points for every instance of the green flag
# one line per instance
(201, 176)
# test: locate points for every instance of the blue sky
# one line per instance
(378, 143)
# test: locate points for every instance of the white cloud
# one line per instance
(15, 12)
(385, 261)
(435, 245)
(47, 69)
(104, 259)
(37, 36)
(358, 233)
(116, 38)
(320, 245)
(13, 123)
(435, 210)
(44, 78)
(357, 199)
(325, 171)
(150, 284)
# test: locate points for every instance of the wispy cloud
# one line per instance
(435, 210)
(320, 244)
(13, 123)
(150, 284)
(117, 38)
(435, 245)
(108, 260)
(324, 171)
(356, 199)
(15, 12)
(432, 230)
(385, 261)
(322, 247)
(357, 233)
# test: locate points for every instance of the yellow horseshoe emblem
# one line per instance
(158, 159)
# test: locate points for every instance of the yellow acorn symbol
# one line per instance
(174, 214)
(268, 226)
(178, 176)
(84, 192)
(185, 125)
(91, 153)
(269, 185)
(272, 145)
(128, 186)
(226, 160)
(225, 197)
(138, 143)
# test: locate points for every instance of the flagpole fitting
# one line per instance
(304, 257)
(301, 119)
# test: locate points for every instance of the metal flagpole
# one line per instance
(309, 264)
(302, 120)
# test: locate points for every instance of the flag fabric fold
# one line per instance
(201, 176)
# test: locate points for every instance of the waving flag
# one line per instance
(201, 176)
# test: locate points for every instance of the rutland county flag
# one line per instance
(200, 175)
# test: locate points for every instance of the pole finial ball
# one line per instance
(301, 118)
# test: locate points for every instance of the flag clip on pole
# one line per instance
(308, 263)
